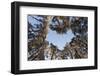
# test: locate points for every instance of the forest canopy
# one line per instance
(57, 37)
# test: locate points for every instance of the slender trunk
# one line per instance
(45, 32)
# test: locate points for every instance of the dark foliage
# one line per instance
(38, 46)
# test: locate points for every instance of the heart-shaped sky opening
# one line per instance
(59, 40)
